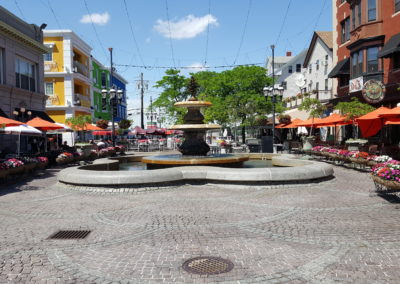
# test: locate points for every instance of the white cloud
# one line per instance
(98, 19)
(196, 67)
(187, 27)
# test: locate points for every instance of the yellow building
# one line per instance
(67, 75)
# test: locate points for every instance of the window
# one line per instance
(356, 14)
(103, 79)
(345, 30)
(298, 68)
(1, 66)
(357, 64)
(396, 60)
(290, 70)
(49, 88)
(309, 68)
(396, 6)
(372, 59)
(371, 10)
(25, 75)
(48, 56)
(317, 65)
(326, 85)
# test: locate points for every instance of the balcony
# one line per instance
(50, 66)
(81, 100)
(81, 68)
(52, 100)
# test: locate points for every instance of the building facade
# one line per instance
(68, 81)
(101, 80)
(317, 65)
(120, 83)
(279, 62)
(21, 68)
(367, 49)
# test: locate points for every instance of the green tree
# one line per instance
(354, 109)
(314, 107)
(174, 90)
(79, 122)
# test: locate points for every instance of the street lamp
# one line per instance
(115, 97)
(22, 114)
(273, 92)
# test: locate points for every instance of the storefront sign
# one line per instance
(356, 84)
(373, 91)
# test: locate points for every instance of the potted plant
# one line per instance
(387, 174)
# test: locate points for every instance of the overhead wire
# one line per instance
(54, 14)
(283, 22)
(95, 30)
(20, 11)
(208, 32)
(133, 34)
(189, 67)
(243, 32)
(317, 21)
(170, 34)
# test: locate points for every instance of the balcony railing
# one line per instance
(81, 100)
(50, 66)
(52, 100)
(81, 68)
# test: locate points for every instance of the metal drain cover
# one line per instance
(70, 234)
(207, 265)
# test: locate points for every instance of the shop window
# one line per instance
(357, 64)
(25, 75)
(396, 6)
(372, 59)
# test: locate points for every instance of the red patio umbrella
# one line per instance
(371, 123)
(9, 122)
(138, 131)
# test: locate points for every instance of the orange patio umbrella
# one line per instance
(310, 122)
(9, 122)
(392, 121)
(280, 125)
(392, 113)
(371, 123)
(293, 124)
(42, 124)
(334, 120)
(88, 127)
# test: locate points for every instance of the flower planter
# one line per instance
(62, 161)
(30, 167)
(42, 166)
(16, 171)
(4, 173)
(359, 160)
(372, 163)
(389, 184)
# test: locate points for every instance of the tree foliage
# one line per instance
(354, 108)
(79, 122)
(313, 106)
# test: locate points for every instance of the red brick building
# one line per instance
(367, 50)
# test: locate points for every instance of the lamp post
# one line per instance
(22, 114)
(115, 97)
(273, 92)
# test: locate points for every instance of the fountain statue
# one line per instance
(194, 128)
(194, 149)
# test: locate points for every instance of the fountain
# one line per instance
(194, 149)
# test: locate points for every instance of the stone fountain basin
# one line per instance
(104, 172)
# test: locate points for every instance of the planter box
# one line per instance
(30, 167)
(42, 165)
(389, 184)
(4, 174)
(16, 171)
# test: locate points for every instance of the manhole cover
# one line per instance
(71, 234)
(207, 265)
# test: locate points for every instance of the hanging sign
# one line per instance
(356, 84)
(373, 91)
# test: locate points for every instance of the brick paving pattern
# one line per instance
(333, 231)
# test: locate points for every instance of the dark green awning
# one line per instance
(392, 46)
(342, 68)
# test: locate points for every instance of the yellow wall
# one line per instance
(58, 85)
(57, 115)
(58, 52)
(78, 113)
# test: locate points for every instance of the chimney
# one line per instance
(288, 53)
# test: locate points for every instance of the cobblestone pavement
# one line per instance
(334, 231)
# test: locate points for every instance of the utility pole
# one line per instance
(142, 84)
(151, 111)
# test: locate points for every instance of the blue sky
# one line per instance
(189, 21)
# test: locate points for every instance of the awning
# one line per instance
(43, 125)
(37, 113)
(392, 46)
(342, 68)
(3, 114)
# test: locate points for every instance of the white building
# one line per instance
(317, 64)
(279, 62)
